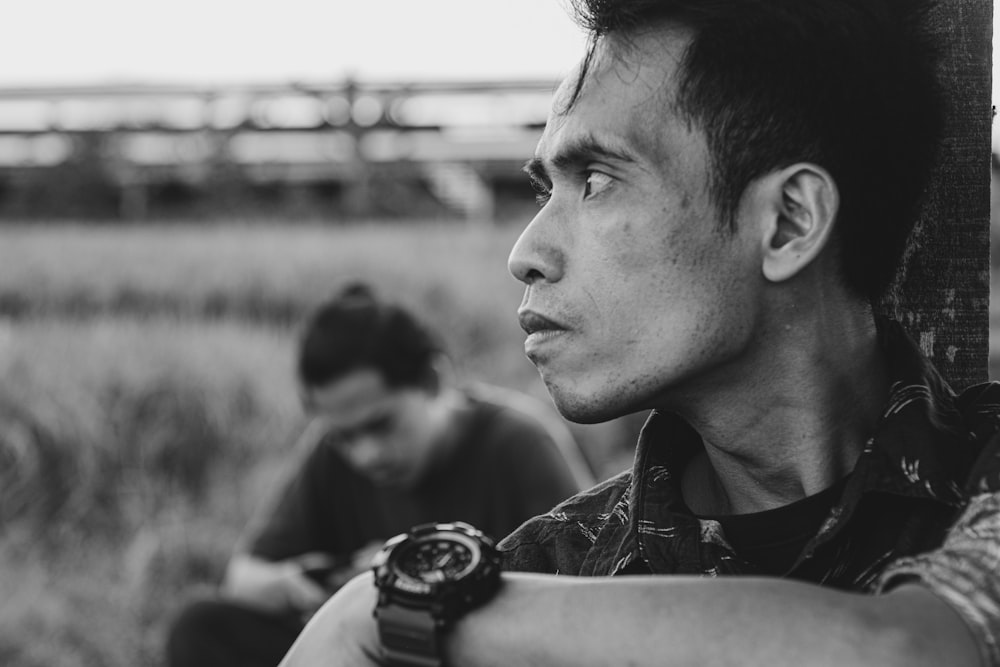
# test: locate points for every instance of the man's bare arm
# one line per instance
(552, 620)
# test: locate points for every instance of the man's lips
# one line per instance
(533, 322)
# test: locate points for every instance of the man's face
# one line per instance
(385, 433)
(635, 295)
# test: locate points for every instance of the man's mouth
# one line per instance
(533, 323)
(542, 333)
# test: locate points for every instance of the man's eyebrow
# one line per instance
(576, 154)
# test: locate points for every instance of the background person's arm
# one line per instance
(300, 584)
(663, 620)
(269, 568)
(274, 586)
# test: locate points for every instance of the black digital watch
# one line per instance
(426, 579)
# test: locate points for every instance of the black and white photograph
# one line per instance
(537, 333)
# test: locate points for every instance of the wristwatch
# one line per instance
(427, 578)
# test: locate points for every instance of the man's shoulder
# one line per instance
(517, 425)
(594, 505)
(569, 529)
(597, 501)
(512, 406)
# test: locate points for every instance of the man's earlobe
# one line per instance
(805, 203)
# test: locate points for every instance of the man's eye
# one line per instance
(596, 183)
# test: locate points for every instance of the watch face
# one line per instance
(437, 558)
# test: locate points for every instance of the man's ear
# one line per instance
(802, 209)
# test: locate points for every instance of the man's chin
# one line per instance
(582, 408)
(393, 480)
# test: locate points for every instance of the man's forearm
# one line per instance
(546, 620)
(686, 620)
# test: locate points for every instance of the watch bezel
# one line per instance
(452, 595)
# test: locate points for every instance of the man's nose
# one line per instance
(364, 451)
(537, 255)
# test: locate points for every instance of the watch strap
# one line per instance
(409, 637)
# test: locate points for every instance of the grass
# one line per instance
(198, 270)
(133, 452)
(274, 275)
(148, 402)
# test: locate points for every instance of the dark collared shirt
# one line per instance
(922, 503)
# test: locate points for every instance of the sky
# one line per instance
(208, 41)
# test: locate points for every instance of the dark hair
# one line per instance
(849, 85)
(355, 330)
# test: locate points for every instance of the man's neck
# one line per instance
(799, 427)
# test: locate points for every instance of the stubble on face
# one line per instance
(648, 264)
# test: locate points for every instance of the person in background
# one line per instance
(391, 444)
(727, 189)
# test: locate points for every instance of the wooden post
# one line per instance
(943, 300)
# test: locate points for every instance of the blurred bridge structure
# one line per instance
(348, 149)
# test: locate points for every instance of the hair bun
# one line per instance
(357, 291)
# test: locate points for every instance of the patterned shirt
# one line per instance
(921, 504)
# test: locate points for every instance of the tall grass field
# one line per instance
(148, 402)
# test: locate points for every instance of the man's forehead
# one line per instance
(566, 93)
(356, 425)
(648, 57)
(619, 99)
(354, 397)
